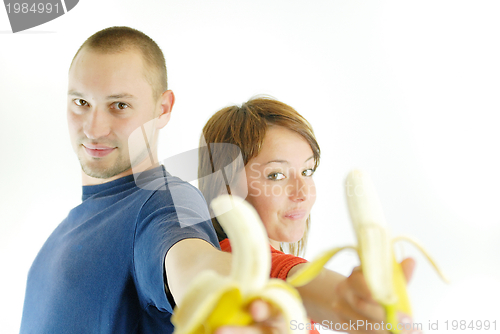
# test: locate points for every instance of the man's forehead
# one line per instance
(108, 75)
(132, 54)
(91, 62)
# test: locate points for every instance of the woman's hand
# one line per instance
(354, 305)
(344, 303)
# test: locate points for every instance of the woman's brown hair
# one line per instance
(245, 128)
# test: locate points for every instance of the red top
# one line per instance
(281, 264)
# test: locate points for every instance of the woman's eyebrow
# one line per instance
(75, 93)
(277, 161)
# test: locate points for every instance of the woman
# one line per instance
(280, 154)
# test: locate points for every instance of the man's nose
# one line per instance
(97, 124)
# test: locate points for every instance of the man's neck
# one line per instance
(88, 180)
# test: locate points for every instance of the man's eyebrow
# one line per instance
(110, 97)
(120, 96)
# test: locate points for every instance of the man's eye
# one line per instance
(81, 102)
(308, 172)
(120, 105)
(276, 176)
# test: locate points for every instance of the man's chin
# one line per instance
(99, 172)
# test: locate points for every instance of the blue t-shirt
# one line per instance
(102, 269)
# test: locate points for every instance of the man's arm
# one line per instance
(188, 258)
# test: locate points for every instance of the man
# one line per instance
(120, 261)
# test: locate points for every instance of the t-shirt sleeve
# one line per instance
(281, 263)
(225, 246)
(170, 215)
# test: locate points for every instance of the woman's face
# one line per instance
(280, 184)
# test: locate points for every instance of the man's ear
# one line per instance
(167, 100)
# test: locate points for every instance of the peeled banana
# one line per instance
(214, 300)
(382, 272)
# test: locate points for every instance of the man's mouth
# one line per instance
(97, 151)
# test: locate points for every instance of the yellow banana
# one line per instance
(382, 272)
(214, 300)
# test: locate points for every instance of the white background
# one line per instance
(405, 90)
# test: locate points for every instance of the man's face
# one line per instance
(108, 98)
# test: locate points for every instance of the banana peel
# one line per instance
(213, 300)
(384, 275)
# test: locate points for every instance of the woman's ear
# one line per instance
(167, 100)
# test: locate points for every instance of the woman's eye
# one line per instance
(81, 102)
(121, 105)
(276, 176)
(308, 172)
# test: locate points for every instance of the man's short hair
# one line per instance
(121, 39)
